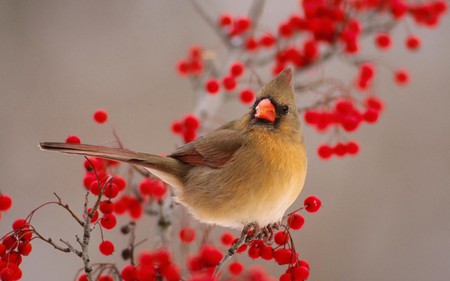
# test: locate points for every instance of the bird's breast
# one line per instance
(258, 184)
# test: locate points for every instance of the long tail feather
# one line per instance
(168, 169)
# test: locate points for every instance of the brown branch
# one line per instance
(232, 250)
(66, 206)
(49, 241)
(71, 248)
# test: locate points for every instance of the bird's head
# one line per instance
(275, 105)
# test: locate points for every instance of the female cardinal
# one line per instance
(248, 171)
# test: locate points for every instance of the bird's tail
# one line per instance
(166, 168)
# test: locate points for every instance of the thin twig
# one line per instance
(71, 248)
(232, 250)
(50, 241)
(66, 206)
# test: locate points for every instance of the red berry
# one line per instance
(300, 272)
(105, 278)
(145, 186)
(236, 268)
(106, 248)
(282, 256)
(281, 237)
(2, 249)
(366, 71)
(10, 242)
(146, 273)
(401, 77)
(311, 117)
(189, 136)
(95, 187)
(286, 29)
(135, 208)
(237, 69)
(13, 257)
(20, 224)
(352, 147)
(129, 273)
(73, 139)
(311, 50)
(120, 182)
(254, 252)
(108, 221)
(350, 123)
(195, 52)
(312, 204)
(241, 248)
(251, 44)
(229, 83)
(374, 103)
(5, 202)
(159, 191)
(242, 24)
(286, 277)
(100, 116)
(191, 122)
(267, 40)
(106, 207)
(227, 238)
(171, 272)
(187, 235)
(7, 274)
(383, 41)
(177, 127)
(266, 252)
(303, 263)
(196, 67)
(183, 67)
(111, 190)
(344, 107)
(24, 248)
(211, 255)
(295, 221)
(412, 42)
(371, 115)
(212, 86)
(225, 20)
(339, 149)
(146, 258)
(247, 96)
(82, 277)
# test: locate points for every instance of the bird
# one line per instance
(247, 171)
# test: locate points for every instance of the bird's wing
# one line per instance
(214, 149)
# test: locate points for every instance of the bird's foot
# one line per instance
(267, 232)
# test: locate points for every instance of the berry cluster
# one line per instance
(284, 252)
(344, 115)
(325, 151)
(193, 64)
(13, 247)
(318, 31)
(151, 265)
(153, 188)
(187, 127)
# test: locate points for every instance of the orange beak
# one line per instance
(265, 110)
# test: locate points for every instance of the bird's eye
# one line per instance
(285, 109)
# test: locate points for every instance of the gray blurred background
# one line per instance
(386, 212)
